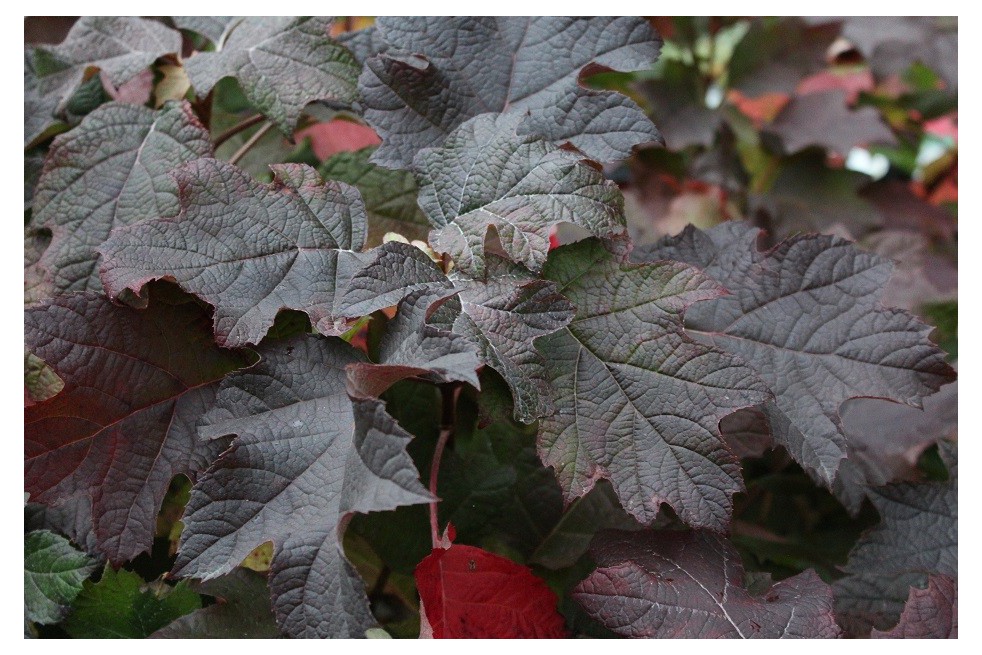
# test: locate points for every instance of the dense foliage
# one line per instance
(396, 331)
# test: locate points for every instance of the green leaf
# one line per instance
(53, 573)
(120, 606)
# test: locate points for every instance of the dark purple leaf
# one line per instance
(435, 73)
(485, 176)
(305, 457)
(502, 313)
(249, 249)
(638, 402)
(824, 119)
(806, 316)
(282, 63)
(121, 47)
(111, 171)
(691, 585)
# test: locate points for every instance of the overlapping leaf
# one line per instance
(638, 402)
(390, 196)
(412, 347)
(433, 74)
(241, 611)
(111, 171)
(917, 537)
(282, 63)
(53, 573)
(120, 606)
(304, 458)
(212, 27)
(485, 176)
(502, 313)
(120, 47)
(805, 316)
(136, 383)
(691, 585)
(930, 613)
(249, 249)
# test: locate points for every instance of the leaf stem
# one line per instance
(247, 146)
(238, 127)
(448, 397)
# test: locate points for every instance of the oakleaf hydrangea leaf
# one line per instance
(930, 613)
(390, 195)
(53, 573)
(110, 171)
(638, 402)
(120, 47)
(250, 249)
(435, 73)
(136, 383)
(806, 317)
(304, 458)
(691, 585)
(825, 119)
(486, 176)
(502, 313)
(242, 611)
(283, 63)
(917, 537)
(120, 606)
(412, 347)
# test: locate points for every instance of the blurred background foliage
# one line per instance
(846, 126)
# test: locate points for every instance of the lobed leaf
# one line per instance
(805, 316)
(435, 73)
(305, 458)
(930, 613)
(486, 176)
(111, 171)
(135, 384)
(638, 402)
(250, 249)
(121, 47)
(692, 585)
(282, 63)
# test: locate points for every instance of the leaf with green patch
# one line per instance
(121, 606)
(53, 574)
(120, 47)
(241, 611)
(390, 196)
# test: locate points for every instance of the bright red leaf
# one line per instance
(469, 593)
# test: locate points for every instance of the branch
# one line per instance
(247, 146)
(238, 127)
(448, 396)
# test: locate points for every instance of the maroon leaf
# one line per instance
(469, 593)
(136, 383)
(691, 585)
